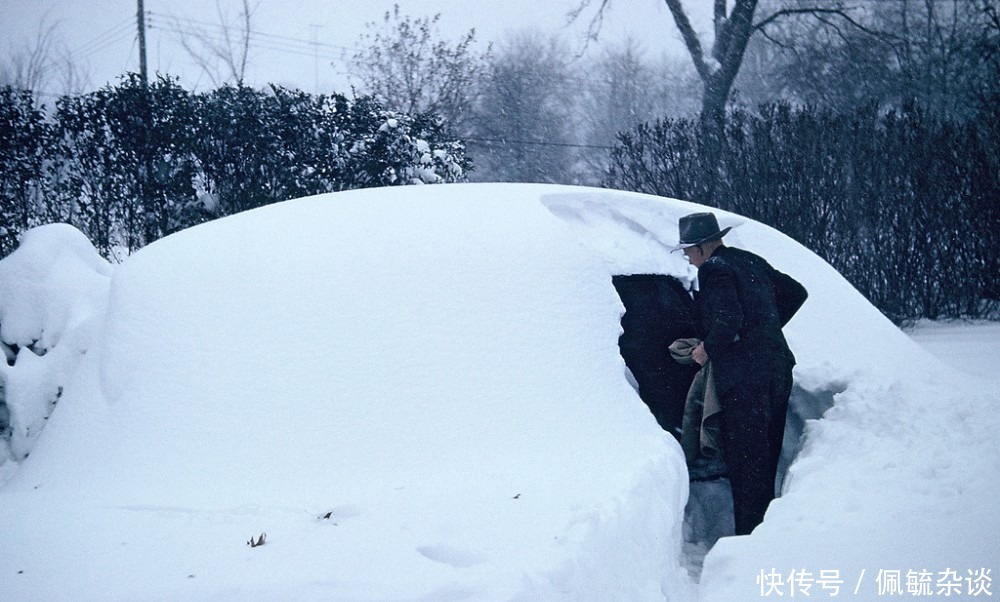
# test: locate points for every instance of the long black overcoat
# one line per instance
(742, 304)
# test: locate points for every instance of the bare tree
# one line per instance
(404, 63)
(624, 89)
(935, 52)
(719, 62)
(718, 67)
(30, 67)
(73, 78)
(222, 51)
(989, 45)
(523, 129)
(45, 66)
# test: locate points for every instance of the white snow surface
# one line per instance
(51, 290)
(416, 393)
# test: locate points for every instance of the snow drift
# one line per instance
(416, 394)
(51, 289)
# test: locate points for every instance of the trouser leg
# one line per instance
(781, 390)
(753, 422)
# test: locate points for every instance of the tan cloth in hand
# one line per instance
(700, 430)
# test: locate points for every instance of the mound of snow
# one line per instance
(51, 290)
(54, 281)
(416, 394)
(899, 478)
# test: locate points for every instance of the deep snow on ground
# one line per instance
(971, 347)
(416, 394)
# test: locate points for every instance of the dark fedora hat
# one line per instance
(699, 228)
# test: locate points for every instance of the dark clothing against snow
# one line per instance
(741, 307)
(742, 304)
(752, 426)
(658, 310)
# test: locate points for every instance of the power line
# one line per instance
(194, 25)
(536, 143)
(219, 38)
(121, 37)
(128, 58)
(258, 46)
(219, 33)
(300, 41)
(125, 24)
(101, 41)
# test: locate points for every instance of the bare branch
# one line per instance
(836, 29)
(74, 78)
(595, 25)
(690, 39)
(28, 68)
(779, 43)
(596, 22)
(247, 14)
(210, 45)
(786, 12)
(992, 14)
(198, 57)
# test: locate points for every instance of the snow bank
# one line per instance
(51, 290)
(415, 394)
(53, 282)
(901, 474)
(899, 478)
(971, 346)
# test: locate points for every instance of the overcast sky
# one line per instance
(301, 43)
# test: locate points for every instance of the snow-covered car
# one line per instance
(416, 394)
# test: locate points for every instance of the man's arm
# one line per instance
(789, 295)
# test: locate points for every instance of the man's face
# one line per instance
(695, 255)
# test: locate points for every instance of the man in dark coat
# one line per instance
(742, 304)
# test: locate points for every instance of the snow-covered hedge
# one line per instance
(128, 164)
(52, 289)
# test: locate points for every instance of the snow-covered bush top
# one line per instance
(53, 281)
(130, 163)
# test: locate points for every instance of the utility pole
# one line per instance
(141, 18)
(143, 143)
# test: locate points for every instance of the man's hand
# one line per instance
(699, 354)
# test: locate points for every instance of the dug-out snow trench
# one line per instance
(658, 310)
(709, 512)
